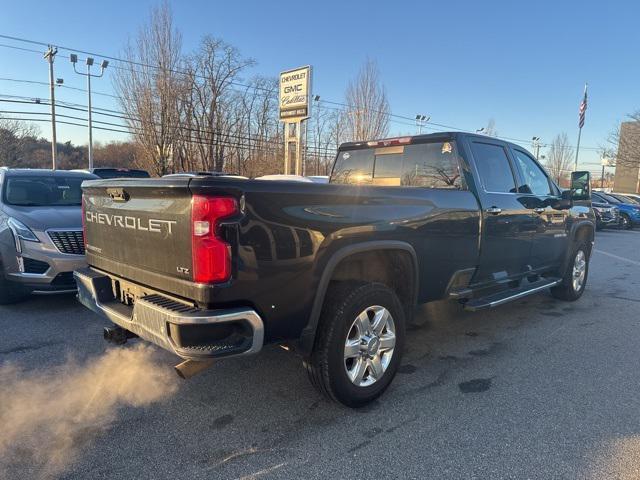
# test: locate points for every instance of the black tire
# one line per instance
(9, 292)
(566, 290)
(625, 222)
(327, 367)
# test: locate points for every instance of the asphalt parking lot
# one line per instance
(535, 389)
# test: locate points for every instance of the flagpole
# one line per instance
(580, 126)
(578, 148)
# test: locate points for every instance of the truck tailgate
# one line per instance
(140, 223)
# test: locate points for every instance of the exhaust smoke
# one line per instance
(46, 417)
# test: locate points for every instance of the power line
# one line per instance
(35, 82)
(79, 107)
(223, 139)
(254, 87)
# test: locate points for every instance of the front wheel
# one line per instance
(625, 222)
(10, 292)
(359, 344)
(574, 280)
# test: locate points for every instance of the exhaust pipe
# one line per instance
(189, 368)
(117, 335)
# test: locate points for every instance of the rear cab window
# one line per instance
(428, 165)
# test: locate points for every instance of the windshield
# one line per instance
(43, 191)
(606, 198)
(624, 199)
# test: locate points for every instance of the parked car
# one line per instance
(202, 174)
(607, 215)
(41, 240)
(629, 212)
(213, 267)
(106, 172)
(625, 198)
(634, 196)
(319, 178)
(285, 178)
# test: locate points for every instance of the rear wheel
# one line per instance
(359, 343)
(574, 280)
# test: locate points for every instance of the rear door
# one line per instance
(508, 225)
(540, 195)
(142, 224)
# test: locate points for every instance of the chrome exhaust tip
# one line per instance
(190, 368)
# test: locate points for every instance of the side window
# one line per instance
(432, 165)
(353, 167)
(534, 178)
(494, 168)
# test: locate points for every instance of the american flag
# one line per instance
(583, 109)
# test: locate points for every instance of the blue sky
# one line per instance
(523, 64)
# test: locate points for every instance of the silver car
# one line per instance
(41, 241)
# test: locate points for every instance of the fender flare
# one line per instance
(307, 337)
(572, 237)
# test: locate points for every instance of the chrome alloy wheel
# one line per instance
(369, 346)
(579, 270)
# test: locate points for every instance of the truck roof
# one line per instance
(40, 172)
(412, 139)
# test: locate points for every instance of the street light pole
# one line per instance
(90, 123)
(536, 146)
(103, 65)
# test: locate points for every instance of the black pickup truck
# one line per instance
(211, 267)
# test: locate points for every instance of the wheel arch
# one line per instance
(337, 264)
(580, 231)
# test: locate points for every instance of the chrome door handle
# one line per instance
(493, 210)
(539, 210)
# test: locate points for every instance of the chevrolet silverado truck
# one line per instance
(211, 267)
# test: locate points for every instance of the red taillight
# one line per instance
(211, 255)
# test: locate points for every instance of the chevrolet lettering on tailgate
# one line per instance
(133, 223)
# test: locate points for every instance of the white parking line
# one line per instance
(633, 262)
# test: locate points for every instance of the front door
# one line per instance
(550, 236)
(508, 226)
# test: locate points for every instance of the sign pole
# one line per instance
(299, 147)
(287, 168)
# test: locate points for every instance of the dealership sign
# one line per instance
(295, 88)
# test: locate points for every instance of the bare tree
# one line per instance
(367, 116)
(15, 135)
(149, 87)
(559, 157)
(319, 149)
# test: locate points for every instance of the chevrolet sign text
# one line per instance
(133, 223)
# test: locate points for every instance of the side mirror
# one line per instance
(580, 186)
(565, 201)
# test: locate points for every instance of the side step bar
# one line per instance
(501, 298)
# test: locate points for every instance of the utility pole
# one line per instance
(49, 56)
(605, 162)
